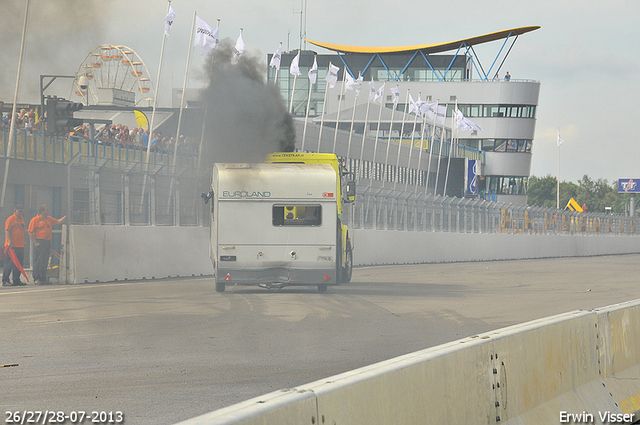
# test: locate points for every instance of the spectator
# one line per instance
(507, 77)
(134, 137)
(145, 138)
(40, 232)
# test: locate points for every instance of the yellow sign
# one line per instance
(574, 206)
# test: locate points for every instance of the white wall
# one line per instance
(108, 253)
(402, 247)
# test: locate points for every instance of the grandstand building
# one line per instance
(450, 74)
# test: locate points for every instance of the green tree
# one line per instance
(595, 194)
(541, 191)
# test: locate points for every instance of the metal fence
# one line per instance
(112, 184)
(136, 195)
(385, 209)
(56, 149)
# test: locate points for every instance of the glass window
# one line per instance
(488, 144)
(297, 215)
(491, 110)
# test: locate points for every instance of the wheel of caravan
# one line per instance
(220, 286)
(339, 255)
(322, 289)
(347, 270)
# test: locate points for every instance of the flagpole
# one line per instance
(324, 105)
(442, 140)
(275, 81)
(153, 114)
(184, 92)
(413, 133)
(375, 144)
(364, 130)
(353, 117)
(433, 136)
(404, 116)
(306, 118)
(204, 122)
(424, 125)
(293, 91)
(558, 172)
(15, 104)
(393, 112)
(335, 134)
(454, 128)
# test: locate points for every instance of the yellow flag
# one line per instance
(141, 119)
(573, 205)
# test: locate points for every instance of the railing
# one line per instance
(459, 151)
(33, 146)
(385, 209)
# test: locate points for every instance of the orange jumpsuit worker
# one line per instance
(14, 238)
(41, 234)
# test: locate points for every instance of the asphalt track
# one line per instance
(163, 351)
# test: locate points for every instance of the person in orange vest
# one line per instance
(14, 239)
(40, 232)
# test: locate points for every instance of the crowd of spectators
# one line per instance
(23, 119)
(113, 134)
(122, 135)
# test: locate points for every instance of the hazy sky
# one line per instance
(585, 54)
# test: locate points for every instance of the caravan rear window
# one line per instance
(297, 215)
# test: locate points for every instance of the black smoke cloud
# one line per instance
(59, 35)
(245, 117)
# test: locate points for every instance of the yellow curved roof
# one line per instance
(427, 48)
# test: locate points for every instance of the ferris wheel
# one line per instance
(115, 67)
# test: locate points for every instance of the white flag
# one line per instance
(332, 76)
(436, 116)
(294, 69)
(168, 21)
(205, 37)
(396, 95)
(413, 106)
(353, 84)
(372, 90)
(313, 72)
(464, 123)
(239, 49)
(422, 106)
(379, 98)
(275, 59)
(560, 141)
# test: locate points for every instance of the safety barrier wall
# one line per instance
(108, 253)
(402, 247)
(578, 363)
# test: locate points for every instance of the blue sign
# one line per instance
(473, 171)
(628, 185)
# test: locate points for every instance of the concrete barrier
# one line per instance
(619, 359)
(402, 247)
(109, 253)
(578, 367)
